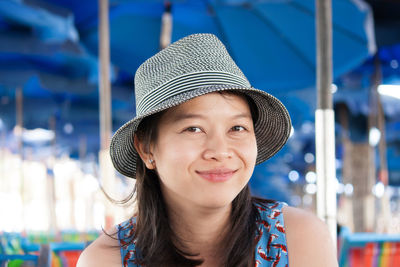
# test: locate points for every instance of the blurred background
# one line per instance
(56, 116)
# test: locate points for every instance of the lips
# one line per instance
(217, 175)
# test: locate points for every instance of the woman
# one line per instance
(199, 131)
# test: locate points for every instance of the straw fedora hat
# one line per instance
(193, 66)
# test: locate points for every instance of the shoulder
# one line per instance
(104, 251)
(308, 239)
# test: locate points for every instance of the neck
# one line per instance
(200, 230)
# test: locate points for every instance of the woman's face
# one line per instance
(206, 150)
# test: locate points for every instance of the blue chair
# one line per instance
(368, 249)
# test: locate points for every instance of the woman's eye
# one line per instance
(193, 129)
(238, 128)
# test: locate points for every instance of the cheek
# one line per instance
(248, 150)
(174, 153)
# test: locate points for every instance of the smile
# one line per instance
(217, 175)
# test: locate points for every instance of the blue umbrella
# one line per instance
(48, 26)
(272, 41)
(47, 49)
(53, 71)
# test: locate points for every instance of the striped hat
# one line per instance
(193, 66)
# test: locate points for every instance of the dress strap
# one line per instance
(127, 246)
(271, 249)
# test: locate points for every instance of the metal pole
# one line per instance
(166, 26)
(104, 77)
(325, 119)
(107, 173)
(51, 187)
(383, 172)
(19, 106)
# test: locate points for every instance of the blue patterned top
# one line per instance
(271, 249)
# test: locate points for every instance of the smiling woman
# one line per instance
(200, 130)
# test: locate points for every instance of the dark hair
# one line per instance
(156, 242)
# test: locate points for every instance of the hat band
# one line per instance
(187, 83)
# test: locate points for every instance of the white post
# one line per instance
(326, 169)
(324, 119)
(106, 173)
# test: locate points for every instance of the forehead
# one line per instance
(222, 103)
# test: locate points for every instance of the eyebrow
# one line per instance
(187, 116)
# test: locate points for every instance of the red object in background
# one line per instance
(395, 260)
(370, 252)
(383, 176)
(71, 257)
(357, 257)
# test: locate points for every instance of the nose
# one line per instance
(217, 147)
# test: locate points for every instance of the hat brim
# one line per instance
(272, 128)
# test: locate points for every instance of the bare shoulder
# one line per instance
(308, 239)
(104, 251)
